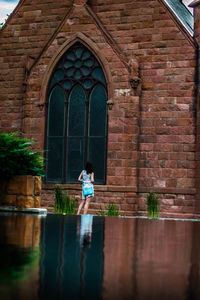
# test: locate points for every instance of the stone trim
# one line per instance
(51, 38)
(110, 188)
(179, 24)
(23, 191)
(79, 2)
(109, 38)
(194, 3)
(39, 211)
(21, 2)
(63, 48)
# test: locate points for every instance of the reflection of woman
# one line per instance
(85, 240)
(87, 179)
(86, 229)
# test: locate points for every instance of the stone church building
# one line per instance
(115, 82)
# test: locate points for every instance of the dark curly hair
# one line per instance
(89, 167)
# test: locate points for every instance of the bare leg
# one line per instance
(87, 202)
(80, 206)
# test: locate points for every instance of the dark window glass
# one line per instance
(98, 74)
(98, 111)
(75, 157)
(67, 85)
(77, 117)
(55, 159)
(56, 112)
(97, 154)
(77, 110)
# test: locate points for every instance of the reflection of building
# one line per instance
(149, 259)
(23, 230)
(125, 259)
(20, 254)
(116, 82)
(66, 271)
(119, 257)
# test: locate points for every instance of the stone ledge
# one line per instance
(112, 188)
(40, 211)
(184, 191)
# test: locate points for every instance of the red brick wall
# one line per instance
(151, 136)
(25, 34)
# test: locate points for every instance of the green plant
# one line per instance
(113, 210)
(17, 263)
(17, 156)
(63, 203)
(153, 205)
(102, 211)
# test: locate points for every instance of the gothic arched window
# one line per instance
(76, 117)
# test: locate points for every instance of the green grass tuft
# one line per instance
(153, 207)
(64, 204)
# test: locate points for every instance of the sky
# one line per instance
(6, 7)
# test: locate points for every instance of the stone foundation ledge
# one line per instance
(39, 211)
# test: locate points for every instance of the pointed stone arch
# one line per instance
(74, 98)
(79, 37)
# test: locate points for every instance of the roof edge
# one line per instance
(194, 3)
(12, 14)
(180, 25)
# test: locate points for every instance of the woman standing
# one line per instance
(87, 179)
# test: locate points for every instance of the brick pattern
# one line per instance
(125, 200)
(79, 2)
(27, 32)
(151, 137)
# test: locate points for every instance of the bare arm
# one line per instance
(92, 177)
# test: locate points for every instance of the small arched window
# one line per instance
(76, 117)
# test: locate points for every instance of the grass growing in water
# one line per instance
(153, 205)
(63, 203)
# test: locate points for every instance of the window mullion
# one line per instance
(65, 138)
(86, 129)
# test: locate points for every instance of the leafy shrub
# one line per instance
(153, 205)
(17, 156)
(63, 203)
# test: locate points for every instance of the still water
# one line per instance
(90, 257)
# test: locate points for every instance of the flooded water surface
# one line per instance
(90, 257)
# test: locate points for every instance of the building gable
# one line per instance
(182, 14)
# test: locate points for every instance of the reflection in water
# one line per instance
(71, 268)
(119, 258)
(86, 230)
(88, 257)
(85, 242)
(19, 252)
(151, 259)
